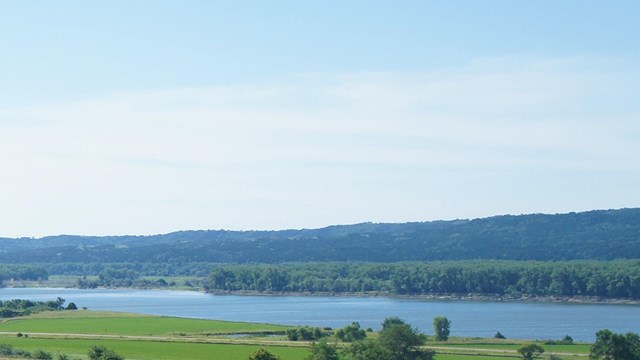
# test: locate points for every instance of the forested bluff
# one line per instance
(591, 253)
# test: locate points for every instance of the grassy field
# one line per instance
(145, 337)
(150, 350)
(75, 322)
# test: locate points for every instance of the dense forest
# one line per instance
(593, 235)
(22, 272)
(616, 279)
(595, 253)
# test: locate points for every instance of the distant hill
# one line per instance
(592, 235)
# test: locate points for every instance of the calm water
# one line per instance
(468, 318)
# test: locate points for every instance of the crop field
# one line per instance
(144, 337)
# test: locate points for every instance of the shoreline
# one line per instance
(425, 297)
(444, 297)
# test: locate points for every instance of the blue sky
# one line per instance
(153, 116)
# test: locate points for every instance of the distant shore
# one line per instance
(434, 297)
(440, 297)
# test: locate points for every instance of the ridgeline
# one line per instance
(592, 235)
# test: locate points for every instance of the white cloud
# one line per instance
(316, 149)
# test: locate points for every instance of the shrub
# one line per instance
(6, 349)
(102, 353)
(42, 355)
(262, 354)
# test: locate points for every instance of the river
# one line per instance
(519, 320)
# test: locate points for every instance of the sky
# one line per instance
(147, 117)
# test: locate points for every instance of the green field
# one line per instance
(128, 324)
(152, 337)
(150, 350)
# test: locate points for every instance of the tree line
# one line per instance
(611, 279)
(23, 307)
(22, 272)
(397, 340)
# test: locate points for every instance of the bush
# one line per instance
(6, 349)
(42, 355)
(262, 354)
(499, 335)
(102, 353)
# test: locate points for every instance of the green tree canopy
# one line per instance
(393, 320)
(350, 333)
(367, 350)
(262, 354)
(530, 351)
(613, 346)
(441, 327)
(403, 341)
(102, 353)
(322, 350)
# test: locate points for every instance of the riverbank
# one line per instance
(442, 297)
(71, 283)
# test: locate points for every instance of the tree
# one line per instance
(403, 341)
(351, 333)
(322, 350)
(304, 333)
(567, 339)
(60, 302)
(530, 351)
(441, 326)
(72, 306)
(394, 320)
(102, 353)
(613, 346)
(367, 350)
(262, 354)
(499, 335)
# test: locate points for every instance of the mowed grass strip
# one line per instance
(88, 322)
(150, 350)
